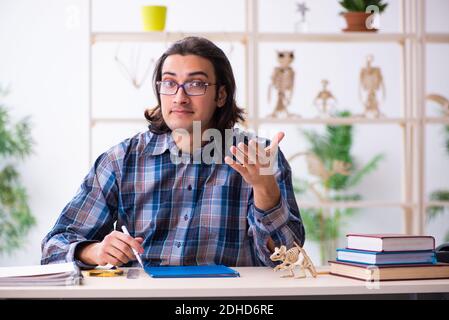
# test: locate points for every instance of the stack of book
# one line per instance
(380, 257)
(60, 274)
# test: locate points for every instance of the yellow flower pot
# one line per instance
(153, 18)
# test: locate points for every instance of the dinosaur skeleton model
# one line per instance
(295, 256)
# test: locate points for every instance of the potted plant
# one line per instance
(359, 13)
(15, 215)
(334, 172)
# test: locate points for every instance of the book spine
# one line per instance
(401, 263)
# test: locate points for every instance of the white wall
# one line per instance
(44, 62)
(44, 59)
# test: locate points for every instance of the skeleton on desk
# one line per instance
(291, 258)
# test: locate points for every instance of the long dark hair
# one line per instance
(225, 117)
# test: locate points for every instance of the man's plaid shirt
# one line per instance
(187, 213)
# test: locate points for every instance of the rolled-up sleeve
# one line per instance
(88, 217)
(282, 223)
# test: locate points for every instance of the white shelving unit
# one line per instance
(412, 40)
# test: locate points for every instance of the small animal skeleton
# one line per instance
(283, 79)
(371, 80)
(295, 256)
(132, 68)
(325, 100)
(317, 168)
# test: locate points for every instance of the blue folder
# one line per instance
(209, 271)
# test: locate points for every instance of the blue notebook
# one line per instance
(209, 271)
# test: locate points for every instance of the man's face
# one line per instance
(181, 110)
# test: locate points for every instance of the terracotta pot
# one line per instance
(356, 22)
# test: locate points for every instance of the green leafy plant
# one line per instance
(440, 195)
(15, 215)
(361, 5)
(331, 162)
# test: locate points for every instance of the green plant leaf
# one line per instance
(435, 211)
(440, 195)
(299, 186)
(371, 166)
(446, 237)
(447, 139)
(323, 225)
(319, 144)
(310, 219)
(15, 215)
(346, 197)
(361, 5)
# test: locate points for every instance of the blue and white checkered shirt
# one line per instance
(187, 213)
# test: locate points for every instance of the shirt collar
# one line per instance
(157, 144)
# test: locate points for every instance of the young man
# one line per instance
(180, 207)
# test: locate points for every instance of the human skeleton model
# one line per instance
(325, 100)
(295, 256)
(441, 101)
(282, 80)
(371, 81)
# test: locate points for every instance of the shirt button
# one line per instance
(186, 217)
(189, 187)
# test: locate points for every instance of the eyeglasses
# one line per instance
(191, 88)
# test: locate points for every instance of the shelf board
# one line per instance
(336, 121)
(297, 121)
(437, 120)
(333, 37)
(437, 38)
(352, 204)
(163, 36)
(437, 204)
(140, 36)
(142, 120)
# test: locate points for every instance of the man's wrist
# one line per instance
(85, 253)
(267, 186)
(266, 196)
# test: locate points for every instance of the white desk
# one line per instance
(254, 282)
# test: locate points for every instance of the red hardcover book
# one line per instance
(389, 242)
